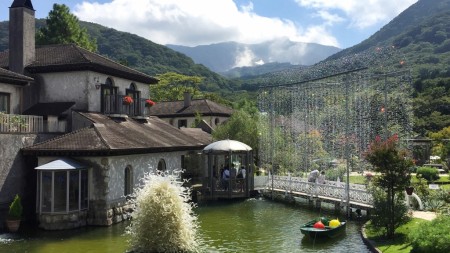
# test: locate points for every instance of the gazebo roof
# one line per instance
(226, 146)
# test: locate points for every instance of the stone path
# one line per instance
(424, 215)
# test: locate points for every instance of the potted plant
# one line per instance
(127, 100)
(149, 103)
(14, 214)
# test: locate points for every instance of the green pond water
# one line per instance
(253, 225)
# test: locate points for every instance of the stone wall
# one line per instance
(107, 203)
(17, 174)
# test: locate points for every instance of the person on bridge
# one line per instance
(313, 175)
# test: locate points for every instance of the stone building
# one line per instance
(75, 132)
(183, 113)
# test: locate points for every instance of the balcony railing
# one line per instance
(12, 123)
(114, 104)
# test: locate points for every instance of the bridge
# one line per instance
(330, 191)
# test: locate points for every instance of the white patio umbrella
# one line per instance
(226, 146)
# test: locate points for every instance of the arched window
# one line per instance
(108, 96)
(128, 186)
(217, 121)
(136, 107)
(162, 165)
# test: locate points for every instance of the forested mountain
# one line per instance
(141, 54)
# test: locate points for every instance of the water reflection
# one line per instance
(254, 225)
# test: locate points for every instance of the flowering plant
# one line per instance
(127, 100)
(149, 103)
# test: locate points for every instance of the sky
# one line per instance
(339, 23)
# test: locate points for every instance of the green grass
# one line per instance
(442, 179)
(359, 179)
(400, 243)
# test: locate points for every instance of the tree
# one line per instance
(63, 28)
(172, 86)
(241, 126)
(392, 163)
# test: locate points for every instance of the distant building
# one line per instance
(75, 131)
(183, 113)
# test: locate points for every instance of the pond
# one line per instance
(253, 225)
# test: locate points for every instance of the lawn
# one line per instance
(400, 243)
(359, 179)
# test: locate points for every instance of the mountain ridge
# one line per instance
(224, 56)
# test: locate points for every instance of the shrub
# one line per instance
(432, 237)
(15, 209)
(333, 174)
(429, 173)
(163, 219)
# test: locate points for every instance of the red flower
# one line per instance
(127, 100)
(149, 103)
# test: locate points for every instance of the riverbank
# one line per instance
(377, 244)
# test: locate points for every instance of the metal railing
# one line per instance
(114, 104)
(329, 189)
(13, 123)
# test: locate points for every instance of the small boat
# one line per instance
(325, 232)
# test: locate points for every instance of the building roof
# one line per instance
(45, 109)
(198, 134)
(61, 164)
(70, 57)
(22, 3)
(177, 109)
(10, 77)
(109, 136)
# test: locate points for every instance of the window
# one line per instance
(108, 97)
(217, 121)
(63, 191)
(182, 123)
(4, 102)
(135, 108)
(128, 186)
(162, 165)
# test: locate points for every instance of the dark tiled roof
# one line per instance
(22, 3)
(69, 57)
(45, 109)
(117, 137)
(10, 77)
(198, 134)
(177, 108)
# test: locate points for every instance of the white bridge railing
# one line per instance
(329, 189)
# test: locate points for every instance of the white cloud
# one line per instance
(361, 14)
(197, 22)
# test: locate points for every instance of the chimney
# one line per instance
(187, 99)
(21, 35)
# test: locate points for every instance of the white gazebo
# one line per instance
(234, 156)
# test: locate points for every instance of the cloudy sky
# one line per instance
(340, 23)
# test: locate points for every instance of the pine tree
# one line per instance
(63, 28)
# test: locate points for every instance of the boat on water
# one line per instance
(322, 228)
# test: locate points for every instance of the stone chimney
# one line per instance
(187, 99)
(21, 35)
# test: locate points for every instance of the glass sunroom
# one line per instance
(62, 194)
